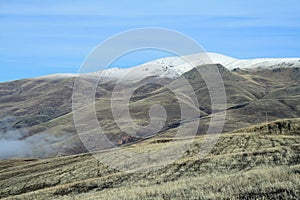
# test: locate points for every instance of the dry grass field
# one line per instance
(259, 162)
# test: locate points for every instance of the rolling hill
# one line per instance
(40, 109)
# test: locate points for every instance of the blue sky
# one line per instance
(44, 37)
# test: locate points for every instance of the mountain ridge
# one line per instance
(175, 66)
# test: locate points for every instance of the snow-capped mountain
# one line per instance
(172, 67)
(169, 67)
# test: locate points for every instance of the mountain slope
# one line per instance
(40, 107)
(255, 156)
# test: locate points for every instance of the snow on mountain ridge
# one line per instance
(172, 67)
(169, 67)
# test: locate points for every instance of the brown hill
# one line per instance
(43, 106)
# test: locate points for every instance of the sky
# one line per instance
(45, 37)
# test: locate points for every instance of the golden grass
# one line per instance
(241, 165)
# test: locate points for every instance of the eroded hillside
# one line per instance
(44, 105)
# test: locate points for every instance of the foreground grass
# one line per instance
(248, 164)
(264, 182)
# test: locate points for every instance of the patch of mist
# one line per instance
(18, 143)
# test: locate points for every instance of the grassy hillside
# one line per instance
(43, 106)
(259, 162)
